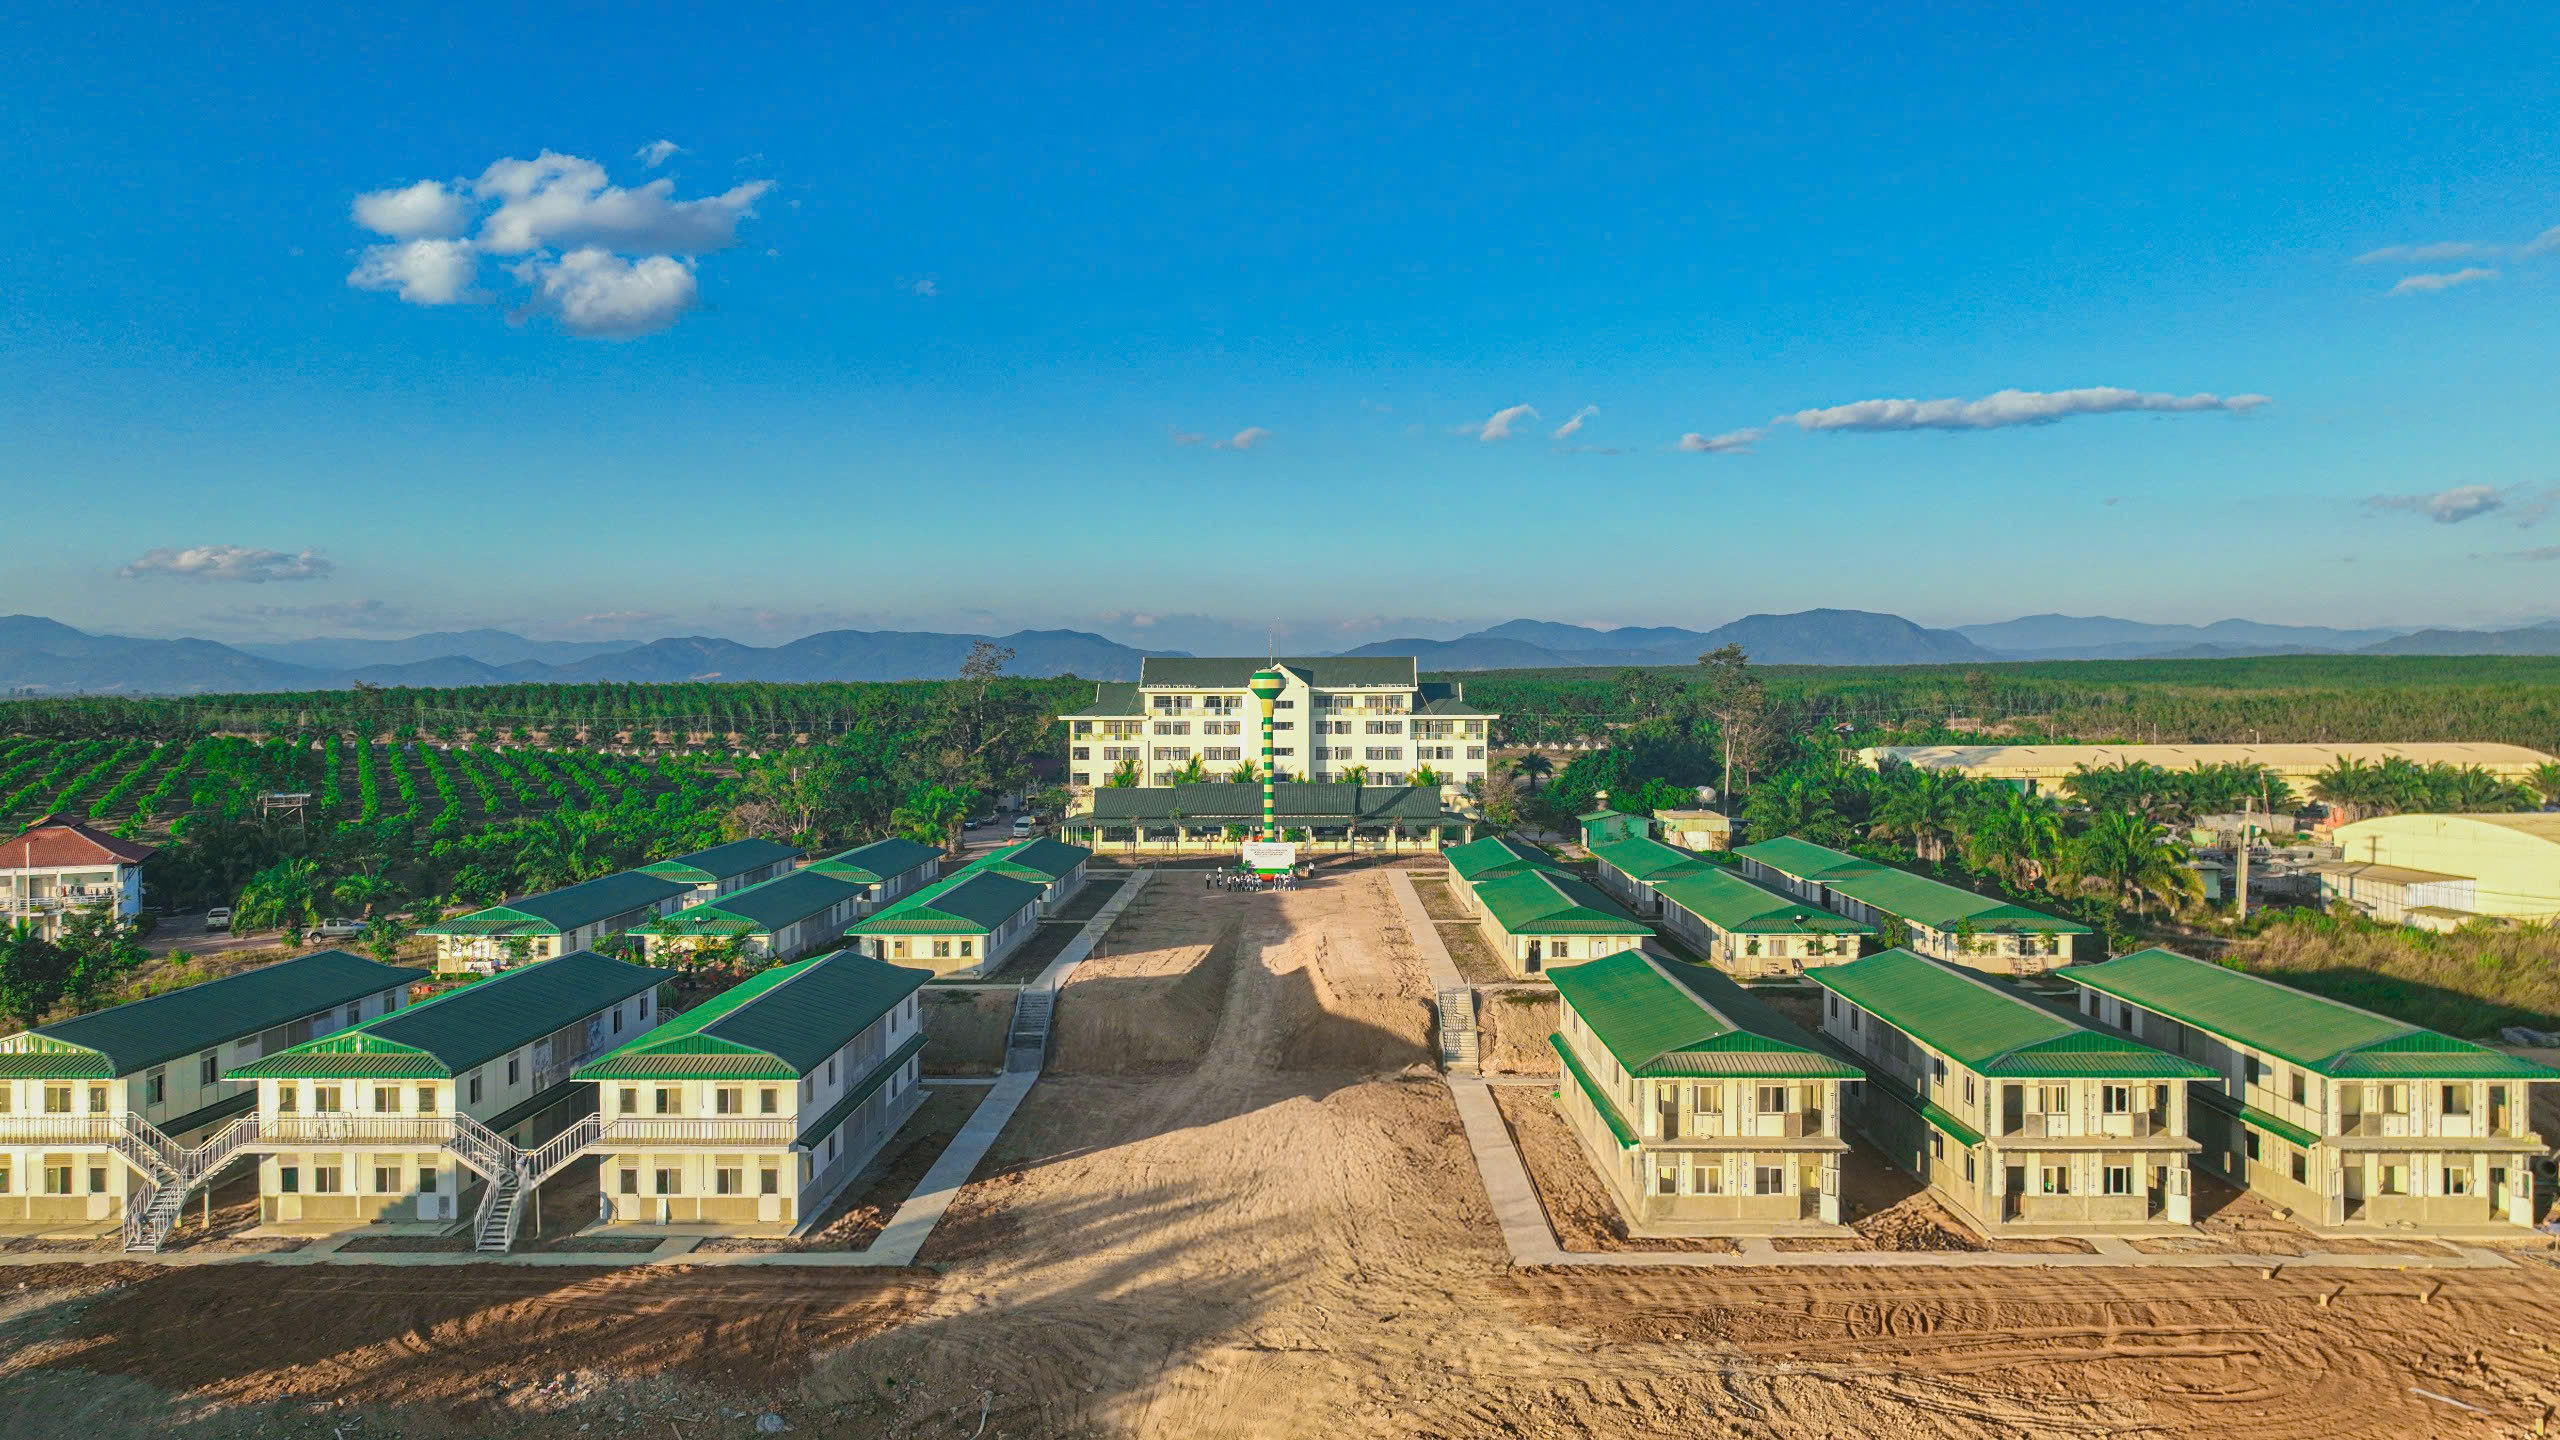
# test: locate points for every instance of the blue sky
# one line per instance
(931, 300)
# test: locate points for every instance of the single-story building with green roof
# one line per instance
(1936, 920)
(1751, 932)
(756, 1106)
(95, 1110)
(555, 922)
(715, 872)
(1055, 866)
(2346, 1117)
(2014, 1115)
(1633, 866)
(887, 870)
(780, 919)
(1703, 1110)
(1539, 918)
(1494, 857)
(391, 1120)
(957, 927)
(1338, 816)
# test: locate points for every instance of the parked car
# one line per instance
(218, 918)
(1023, 829)
(338, 929)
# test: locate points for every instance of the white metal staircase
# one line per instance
(494, 1229)
(167, 1175)
(1458, 1029)
(1028, 1040)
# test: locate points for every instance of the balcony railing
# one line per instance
(350, 1129)
(701, 1130)
(2068, 1127)
(59, 1129)
(58, 900)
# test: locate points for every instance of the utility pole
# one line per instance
(2248, 808)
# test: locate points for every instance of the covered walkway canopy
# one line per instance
(1319, 814)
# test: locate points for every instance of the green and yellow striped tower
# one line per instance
(1267, 685)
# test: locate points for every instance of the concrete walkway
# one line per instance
(1426, 935)
(1526, 1234)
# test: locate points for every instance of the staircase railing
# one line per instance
(482, 1148)
(541, 1164)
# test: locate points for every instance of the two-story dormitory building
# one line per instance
(391, 1120)
(1056, 867)
(1633, 865)
(1753, 933)
(2014, 1115)
(1939, 921)
(780, 919)
(715, 872)
(755, 1107)
(555, 922)
(1539, 918)
(1700, 1107)
(2346, 1117)
(887, 870)
(94, 1110)
(963, 925)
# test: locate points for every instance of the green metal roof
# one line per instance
(968, 903)
(1112, 699)
(1552, 902)
(1042, 860)
(1728, 902)
(778, 1023)
(556, 912)
(1496, 855)
(1986, 1029)
(43, 1060)
(1646, 859)
(764, 908)
(878, 861)
(1657, 1027)
(1592, 1091)
(834, 1115)
(2252, 1115)
(470, 1025)
(145, 1033)
(1915, 898)
(2312, 1031)
(722, 861)
(1322, 671)
(1293, 802)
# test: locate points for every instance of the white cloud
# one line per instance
(1569, 428)
(1499, 427)
(239, 563)
(427, 208)
(422, 272)
(1731, 442)
(657, 153)
(2417, 284)
(2007, 407)
(1181, 436)
(927, 288)
(2468, 502)
(1245, 439)
(563, 202)
(602, 296)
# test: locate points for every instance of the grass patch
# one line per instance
(2470, 983)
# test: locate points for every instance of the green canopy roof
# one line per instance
(1042, 861)
(1552, 902)
(1112, 699)
(1728, 902)
(1322, 671)
(1645, 859)
(557, 912)
(878, 861)
(468, 1026)
(1658, 1028)
(134, 1037)
(969, 903)
(760, 909)
(1985, 1028)
(2315, 1033)
(1915, 898)
(702, 867)
(1495, 856)
(779, 1023)
(1294, 802)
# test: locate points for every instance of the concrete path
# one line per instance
(1526, 1234)
(1426, 935)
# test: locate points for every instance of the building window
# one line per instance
(1082, 752)
(208, 1069)
(668, 1182)
(2457, 1182)
(288, 1179)
(1768, 1180)
(2301, 1088)
(617, 1019)
(727, 1100)
(97, 1099)
(2457, 1100)
(324, 1179)
(2057, 1179)
(1773, 1099)
(386, 1179)
(2117, 1180)
(1937, 1146)
(324, 1100)
(475, 1088)
(2115, 1099)
(667, 1100)
(386, 1099)
(630, 1182)
(2301, 1168)
(1666, 1176)
(728, 1180)
(1968, 1088)
(2252, 1143)
(288, 1098)
(515, 1071)
(1968, 1167)
(772, 1182)
(942, 949)
(772, 1097)
(427, 1180)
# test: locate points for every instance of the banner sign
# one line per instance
(1270, 857)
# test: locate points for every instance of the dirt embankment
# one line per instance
(964, 1029)
(1512, 1027)
(1149, 1000)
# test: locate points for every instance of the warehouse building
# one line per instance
(715, 872)
(98, 1112)
(1334, 716)
(2343, 1116)
(1056, 867)
(780, 919)
(757, 1106)
(392, 1121)
(1701, 1108)
(956, 928)
(2014, 1116)
(2047, 769)
(555, 922)
(2439, 871)
(887, 870)
(1933, 919)
(1540, 918)
(1753, 933)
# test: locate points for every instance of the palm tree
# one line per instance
(2546, 779)
(1244, 774)
(2015, 835)
(1191, 773)
(284, 895)
(1424, 776)
(1925, 807)
(1532, 767)
(2133, 859)
(1356, 775)
(2350, 787)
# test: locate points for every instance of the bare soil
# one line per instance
(1474, 955)
(964, 1029)
(1437, 901)
(862, 1211)
(1512, 1026)
(1584, 1215)
(1249, 1246)
(1088, 902)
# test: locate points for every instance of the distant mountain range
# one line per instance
(43, 657)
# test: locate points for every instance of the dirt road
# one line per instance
(1268, 1225)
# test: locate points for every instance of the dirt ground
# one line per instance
(964, 1029)
(1579, 1207)
(859, 1214)
(1512, 1027)
(1283, 1237)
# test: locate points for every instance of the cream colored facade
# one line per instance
(2511, 862)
